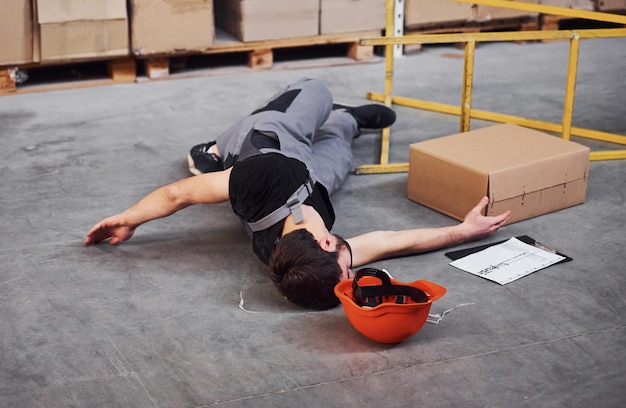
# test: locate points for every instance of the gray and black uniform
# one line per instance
(294, 143)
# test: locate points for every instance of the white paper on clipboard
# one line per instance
(506, 262)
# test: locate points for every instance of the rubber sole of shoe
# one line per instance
(192, 166)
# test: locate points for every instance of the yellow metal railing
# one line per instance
(465, 110)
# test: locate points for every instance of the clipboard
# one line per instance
(454, 255)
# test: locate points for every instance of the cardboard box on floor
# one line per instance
(519, 169)
(16, 31)
(260, 20)
(164, 27)
(351, 16)
(79, 29)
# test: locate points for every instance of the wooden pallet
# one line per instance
(526, 23)
(260, 54)
(550, 22)
(78, 74)
(227, 55)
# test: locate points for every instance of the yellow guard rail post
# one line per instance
(465, 111)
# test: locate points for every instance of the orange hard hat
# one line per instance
(383, 309)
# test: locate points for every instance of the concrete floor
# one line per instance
(155, 322)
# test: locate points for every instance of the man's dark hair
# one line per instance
(303, 272)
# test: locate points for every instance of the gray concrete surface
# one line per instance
(155, 322)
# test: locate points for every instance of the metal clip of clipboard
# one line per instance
(544, 247)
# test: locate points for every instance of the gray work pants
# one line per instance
(308, 130)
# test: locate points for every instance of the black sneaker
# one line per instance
(372, 116)
(202, 161)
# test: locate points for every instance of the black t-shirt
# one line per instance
(260, 184)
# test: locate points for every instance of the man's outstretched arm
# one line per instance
(207, 188)
(377, 245)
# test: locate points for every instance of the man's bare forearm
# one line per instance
(158, 204)
(389, 244)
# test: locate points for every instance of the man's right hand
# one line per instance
(208, 188)
(112, 228)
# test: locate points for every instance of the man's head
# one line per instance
(306, 271)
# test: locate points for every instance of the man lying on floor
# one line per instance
(278, 167)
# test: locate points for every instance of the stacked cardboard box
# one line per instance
(59, 30)
(78, 29)
(351, 16)
(259, 20)
(160, 27)
(519, 169)
(425, 12)
(610, 5)
(488, 13)
(573, 4)
(16, 31)
(421, 12)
